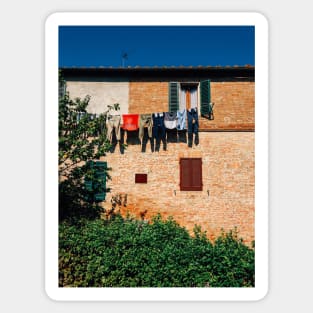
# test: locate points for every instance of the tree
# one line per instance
(125, 252)
(82, 140)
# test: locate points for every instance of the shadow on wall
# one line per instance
(132, 138)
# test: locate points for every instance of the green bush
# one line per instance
(131, 253)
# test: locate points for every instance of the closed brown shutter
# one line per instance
(196, 174)
(191, 174)
(185, 174)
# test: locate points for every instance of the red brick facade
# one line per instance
(226, 147)
(233, 106)
(148, 97)
(233, 103)
(227, 198)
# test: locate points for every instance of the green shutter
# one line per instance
(62, 89)
(96, 186)
(100, 185)
(173, 97)
(88, 185)
(205, 99)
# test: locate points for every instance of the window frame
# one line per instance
(192, 184)
(204, 101)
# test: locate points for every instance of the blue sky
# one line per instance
(156, 45)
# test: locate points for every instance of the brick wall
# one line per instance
(148, 97)
(233, 109)
(234, 101)
(227, 199)
(234, 106)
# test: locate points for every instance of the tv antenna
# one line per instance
(124, 58)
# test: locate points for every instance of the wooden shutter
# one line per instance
(205, 99)
(191, 174)
(173, 97)
(185, 174)
(196, 173)
(96, 186)
(62, 89)
(100, 184)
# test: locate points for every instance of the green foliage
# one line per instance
(130, 253)
(80, 141)
(228, 251)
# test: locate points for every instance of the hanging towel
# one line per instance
(130, 121)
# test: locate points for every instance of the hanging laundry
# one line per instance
(181, 119)
(193, 126)
(145, 121)
(92, 116)
(158, 128)
(79, 116)
(113, 122)
(158, 131)
(170, 120)
(130, 121)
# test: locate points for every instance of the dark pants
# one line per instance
(193, 126)
(158, 130)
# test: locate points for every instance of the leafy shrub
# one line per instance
(82, 140)
(131, 253)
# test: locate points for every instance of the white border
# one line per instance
(51, 162)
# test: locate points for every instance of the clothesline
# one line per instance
(172, 120)
(156, 123)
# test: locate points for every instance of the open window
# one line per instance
(186, 95)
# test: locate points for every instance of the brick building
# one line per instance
(208, 181)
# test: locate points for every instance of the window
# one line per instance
(185, 95)
(95, 184)
(191, 174)
(188, 96)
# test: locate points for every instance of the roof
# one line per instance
(156, 67)
(246, 71)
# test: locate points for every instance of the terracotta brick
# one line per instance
(148, 97)
(227, 199)
(233, 103)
